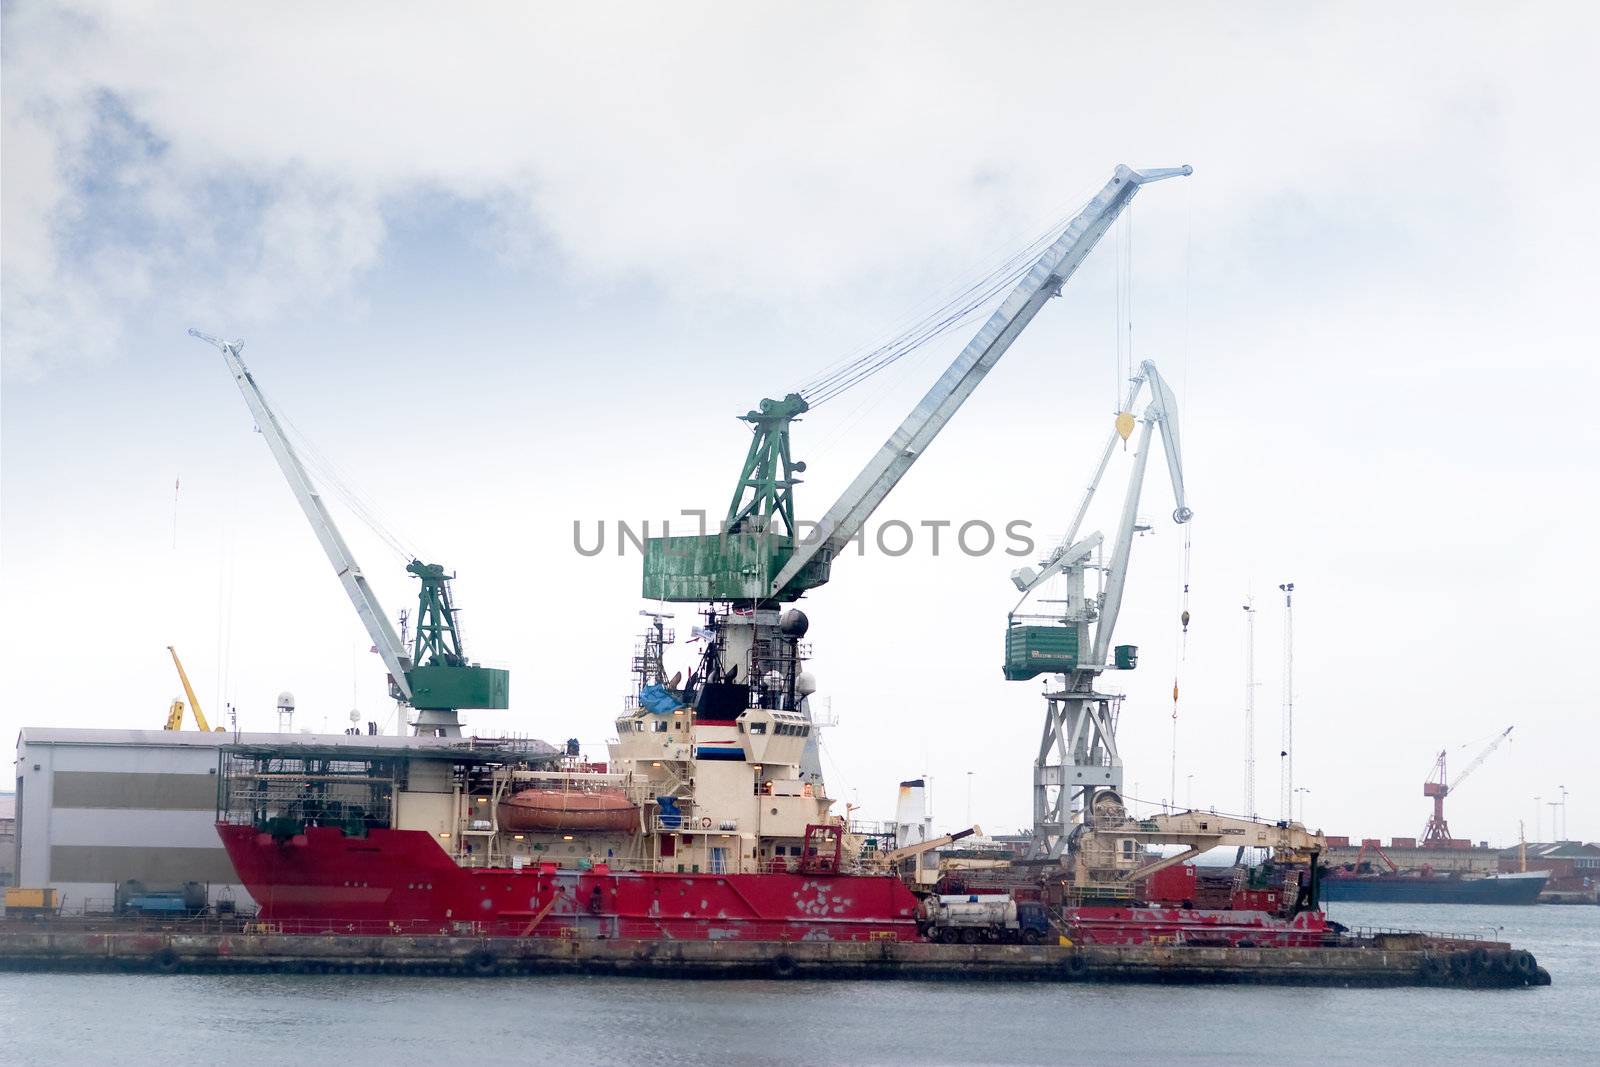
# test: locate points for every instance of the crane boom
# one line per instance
(194, 701)
(377, 624)
(906, 444)
(1478, 760)
(1162, 411)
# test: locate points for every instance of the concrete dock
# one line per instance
(1395, 960)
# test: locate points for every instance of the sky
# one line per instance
(522, 266)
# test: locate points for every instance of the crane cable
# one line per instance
(969, 299)
(344, 487)
(957, 311)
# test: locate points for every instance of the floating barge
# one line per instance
(1380, 959)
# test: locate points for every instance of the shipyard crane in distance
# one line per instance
(762, 559)
(434, 676)
(1077, 758)
(175, 713)
(1437, 788)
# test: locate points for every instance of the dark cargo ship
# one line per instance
(1434, 887)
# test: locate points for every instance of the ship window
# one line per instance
(758, 727)
(661, 727)
(805, 731)
(677, 725)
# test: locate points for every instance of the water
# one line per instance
(357, 1020)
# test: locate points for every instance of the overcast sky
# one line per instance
(517, 267)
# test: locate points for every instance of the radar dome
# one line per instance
(794, 623)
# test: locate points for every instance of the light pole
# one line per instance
(969, 798)
(1538, 820)
(1563, 811)
(1250, 707)
(1302, 790)
(1555, 806)
(1189, 803)
(1286, 755)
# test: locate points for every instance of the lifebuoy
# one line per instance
(705, 822)
(1077, 964)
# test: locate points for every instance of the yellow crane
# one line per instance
(175, 713)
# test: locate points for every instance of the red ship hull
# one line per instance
(1158, 924)
(401, 880)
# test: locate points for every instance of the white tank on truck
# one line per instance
(973, 917)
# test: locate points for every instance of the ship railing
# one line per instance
(1368, 933)
(1099, 893)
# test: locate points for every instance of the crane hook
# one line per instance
(1125, 423)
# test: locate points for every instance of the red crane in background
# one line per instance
(1438, 831)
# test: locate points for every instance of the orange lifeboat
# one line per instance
(557, 810)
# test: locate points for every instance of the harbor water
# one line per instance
(355, 1020)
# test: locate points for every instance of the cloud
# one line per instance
(235, 162)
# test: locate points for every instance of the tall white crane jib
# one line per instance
(376, 623)
(905, 446)
(434, 676)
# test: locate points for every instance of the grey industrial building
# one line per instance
(98, 807)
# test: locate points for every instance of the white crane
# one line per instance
(376, 623)
(761, 559)
(1077, 754)
(434, 676)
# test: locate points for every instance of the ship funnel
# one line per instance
(912, 823)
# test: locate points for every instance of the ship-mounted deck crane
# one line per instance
(1439, 785)
(1112, 851)
(1077, 758)
(433, 676)
(762, 560)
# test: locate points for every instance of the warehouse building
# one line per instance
(99, 807)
